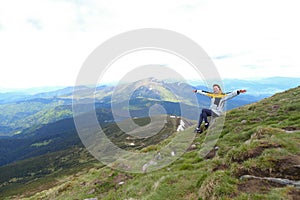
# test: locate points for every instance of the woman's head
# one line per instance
(217, 89)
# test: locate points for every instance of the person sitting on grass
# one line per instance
(216, 108)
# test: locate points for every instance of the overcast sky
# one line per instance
(44, 43)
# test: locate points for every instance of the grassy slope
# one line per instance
(260, 139)
(32, 113)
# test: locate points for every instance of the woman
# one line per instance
(216, 108)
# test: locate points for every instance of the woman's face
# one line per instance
(216, 89)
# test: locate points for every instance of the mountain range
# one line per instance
(29, 109)
(257, 156)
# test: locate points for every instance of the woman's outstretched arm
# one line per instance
(202, 92)
(233, 94)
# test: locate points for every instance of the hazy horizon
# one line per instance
(47, 88)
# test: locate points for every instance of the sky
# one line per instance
(45, 43)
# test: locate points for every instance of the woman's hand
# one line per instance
(195, 91)
(242, 91)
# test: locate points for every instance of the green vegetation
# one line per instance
(39, 144)
(38, 173)
(260, 139)
(32, 113)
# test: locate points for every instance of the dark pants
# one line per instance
(203, 116)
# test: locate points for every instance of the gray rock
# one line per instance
(91, 191)
(244, 121)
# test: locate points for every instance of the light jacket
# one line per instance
(218, 100)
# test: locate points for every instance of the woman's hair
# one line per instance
(217, 85)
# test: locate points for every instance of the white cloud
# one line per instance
(170, 64)
(45, 42)
(43, 59)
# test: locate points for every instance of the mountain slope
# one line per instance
(56, 149)
(258, 154)
(46, 138)
(17, 116)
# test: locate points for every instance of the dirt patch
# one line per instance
(294, 194)
(286, 167)
(220, 167)
(275, 107)
(121, 178)
(291, 128)
(255, 120)
(257, 186)
(257, 151)
(190, 196)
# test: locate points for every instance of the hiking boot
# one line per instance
(206, 125)
(198, 130)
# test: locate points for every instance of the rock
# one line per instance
(181, 126)
(212, 153)
(173, 153)
(83, 183)
(91, 191)
(244, 121)
(192, 147)
(121, 183)
(124, 166)
(91, 199)
(158, 156)
(145, 166)
(276, 180)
